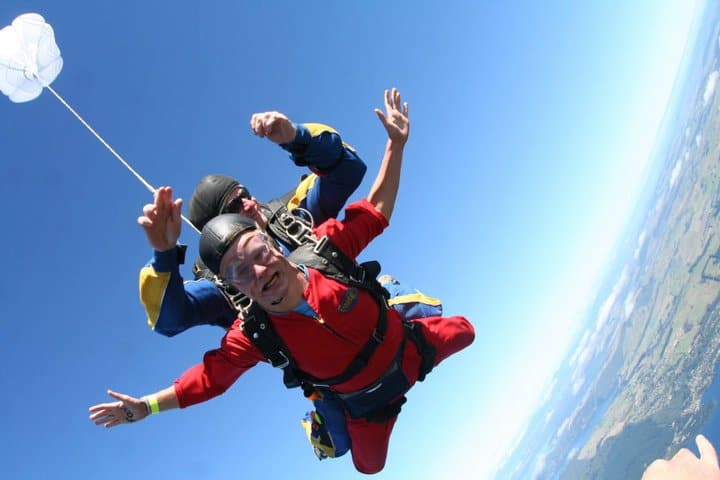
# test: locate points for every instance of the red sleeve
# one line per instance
(361, 224)
(219, 370)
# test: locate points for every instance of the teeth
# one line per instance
(271, 282)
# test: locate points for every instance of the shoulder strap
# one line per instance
(259, 329)
(324, 256)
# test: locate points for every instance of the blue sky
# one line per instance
(531, 128)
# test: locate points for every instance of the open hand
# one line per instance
(126, 410)
(395, 119)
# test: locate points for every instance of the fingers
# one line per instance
(107, 414)
(122, 397)
(114, 413)
(146, 220)
(707, 451)
(149, 210)
(381, 116)
(177, 208)
(256, 124)
(393, 101)
(262, 124)
(162, 203)
(102, 407)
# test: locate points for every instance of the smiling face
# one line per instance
(258, 269)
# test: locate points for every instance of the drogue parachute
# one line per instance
(30, 61)
(29, 57)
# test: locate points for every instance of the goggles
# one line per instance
(255, 252)
(235, 203)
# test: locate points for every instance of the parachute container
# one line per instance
(29, 57)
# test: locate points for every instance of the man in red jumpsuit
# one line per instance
(302, 303)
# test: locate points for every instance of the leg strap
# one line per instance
(427, 351)
(387, 412)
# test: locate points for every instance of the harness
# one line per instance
(324, 256)
(374, 402)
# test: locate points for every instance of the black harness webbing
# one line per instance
(324, 256)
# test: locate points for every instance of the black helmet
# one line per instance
(209, 198)
(218, 234)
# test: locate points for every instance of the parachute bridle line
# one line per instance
(110, 149)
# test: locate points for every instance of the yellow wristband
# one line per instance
(152, 403)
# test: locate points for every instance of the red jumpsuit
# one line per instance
(346, 319)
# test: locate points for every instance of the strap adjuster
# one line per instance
(320, 244)
(281, 362)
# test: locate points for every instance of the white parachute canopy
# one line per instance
(29, 57)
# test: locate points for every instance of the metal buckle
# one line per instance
(295, 227)
(285, 363)
(363, 274)
(320, 244)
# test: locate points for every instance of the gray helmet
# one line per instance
(218, 234)
(210, 196)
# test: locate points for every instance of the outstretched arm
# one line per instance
(129, 409)
(396, 121)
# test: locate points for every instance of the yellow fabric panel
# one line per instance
(316, 129)
(414, 298)
(152, 291)
(301, 191)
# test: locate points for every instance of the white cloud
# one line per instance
(582, 360)
(549, 391)
(577, 385)
(548, 416)
(640, 242)
(698, 139)
(710, 87)
(564, 426)
(660, 204)
(572, 453)
(629, 304)
(675, 172)
(539, 466)
(641, 239)
(580, 348)
(604, 311)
